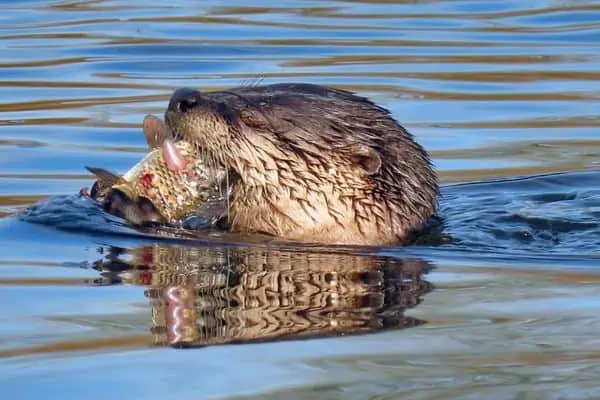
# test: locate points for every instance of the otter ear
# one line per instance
(367, 158)
(253, 118)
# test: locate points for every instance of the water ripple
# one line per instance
(493, 89)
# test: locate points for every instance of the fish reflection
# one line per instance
(204, 296)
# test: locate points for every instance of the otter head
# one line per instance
(310, 163)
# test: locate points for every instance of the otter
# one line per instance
(310, 163)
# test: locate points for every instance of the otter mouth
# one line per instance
(111, 191)
(190, 116)
(176, 122)
(158, 134)
(173, 157)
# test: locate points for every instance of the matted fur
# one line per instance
(311, 163)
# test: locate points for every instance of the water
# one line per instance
(504, 94)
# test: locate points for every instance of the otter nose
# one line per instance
(184, 99)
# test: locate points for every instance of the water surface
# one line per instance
(505, 96)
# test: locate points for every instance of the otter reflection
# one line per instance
(202, 296)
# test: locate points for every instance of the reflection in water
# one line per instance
(203, 296)
(493, 89)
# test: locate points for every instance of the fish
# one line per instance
(170, 183)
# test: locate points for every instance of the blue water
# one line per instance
(501, 304)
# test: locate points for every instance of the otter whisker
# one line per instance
(227, 192)
(253, 81)
(308, 162)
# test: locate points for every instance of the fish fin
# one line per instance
(155, 131)
(106, 176)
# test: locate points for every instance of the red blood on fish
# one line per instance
(146, 180)
(148, 256)
(145, 277)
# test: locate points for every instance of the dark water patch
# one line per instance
(554, 213)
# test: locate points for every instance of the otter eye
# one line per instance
(184, 100)
(186, 104)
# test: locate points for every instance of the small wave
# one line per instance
(553, 213)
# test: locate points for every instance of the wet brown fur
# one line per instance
(311, 163)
